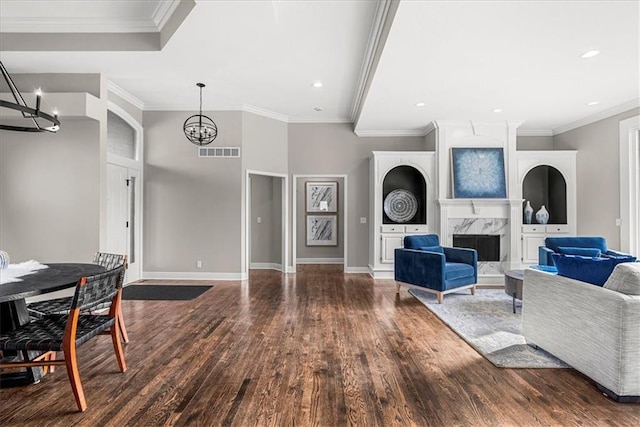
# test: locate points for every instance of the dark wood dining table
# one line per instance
(13, 307)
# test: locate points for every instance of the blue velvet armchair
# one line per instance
(590, 246)
(434, 268)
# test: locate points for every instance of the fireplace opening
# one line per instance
(487, 245)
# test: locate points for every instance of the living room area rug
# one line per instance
(486, 322)
(163, 292)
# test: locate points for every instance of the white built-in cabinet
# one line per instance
(549, 178)
(413, 171)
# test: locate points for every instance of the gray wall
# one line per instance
(49, 193)
(266, 203)
(335, 149)
(528, 143)
(264, 144)
(598, 171)
(191, 205)
(304, 251)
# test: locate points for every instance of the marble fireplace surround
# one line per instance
(483, 216)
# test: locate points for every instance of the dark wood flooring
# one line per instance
(314, 349)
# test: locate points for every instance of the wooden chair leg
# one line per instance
(117, 346)
(52, 357)
(473, 290)
(74, 376)
(397, 287)
(123, 330)
(440, 297)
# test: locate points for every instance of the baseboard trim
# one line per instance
(189, 275)
(320, 260)
(265, 266)
(357, 270)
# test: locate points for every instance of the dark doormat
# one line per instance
(163, 292)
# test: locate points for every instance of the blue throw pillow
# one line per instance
(437, 249)
(591, 270)
(570, 250)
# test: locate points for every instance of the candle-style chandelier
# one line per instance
(199, 129)
(34, 114)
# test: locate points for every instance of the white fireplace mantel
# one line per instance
(485, 208)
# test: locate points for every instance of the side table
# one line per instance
(513, 280)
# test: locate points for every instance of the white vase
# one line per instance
(542, 216)
(528, 213)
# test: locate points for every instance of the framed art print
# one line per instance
(322, 196)
(478, 173)
(322, 230)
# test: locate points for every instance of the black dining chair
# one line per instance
(109, 261)
(59, 332)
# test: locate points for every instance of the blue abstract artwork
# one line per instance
(478, 173)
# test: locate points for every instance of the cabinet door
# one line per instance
(530, 246)
(389, 245)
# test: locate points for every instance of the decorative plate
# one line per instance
(400, 205)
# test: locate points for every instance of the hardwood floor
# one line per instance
(314, 349)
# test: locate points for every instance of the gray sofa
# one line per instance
(594, 329)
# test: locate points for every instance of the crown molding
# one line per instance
(74, 25)
(127, 96)
(389, 133)
(534, 132)
(375, 37)
(163, 12)
(429, 128)
(634, 103)
(303, 119)
(265, 113)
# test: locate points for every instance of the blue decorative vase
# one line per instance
(4, 259)
(542, 216)
(528, 213)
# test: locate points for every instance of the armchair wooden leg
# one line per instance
(123, 330)
(117, 346)
(440, 297)
(397, 287)
(473, 290)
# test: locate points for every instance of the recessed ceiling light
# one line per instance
(592, 103)
(589, 54)
(420, 104)
(317, 83)
(497, 110)
(317, 108)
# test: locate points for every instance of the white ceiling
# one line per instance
(462, 59)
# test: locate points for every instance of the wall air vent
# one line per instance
(219, 152)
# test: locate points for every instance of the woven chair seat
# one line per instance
(40, 309)
(46, 334)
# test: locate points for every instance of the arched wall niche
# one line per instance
(546, 185)
(408, 178)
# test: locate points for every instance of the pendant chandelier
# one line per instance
(32, 114)
(199, 129)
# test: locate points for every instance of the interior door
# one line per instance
(123, 216)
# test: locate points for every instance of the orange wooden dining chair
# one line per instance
(58, 332)
(62, 305)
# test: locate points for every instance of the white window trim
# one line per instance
(630, 185)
